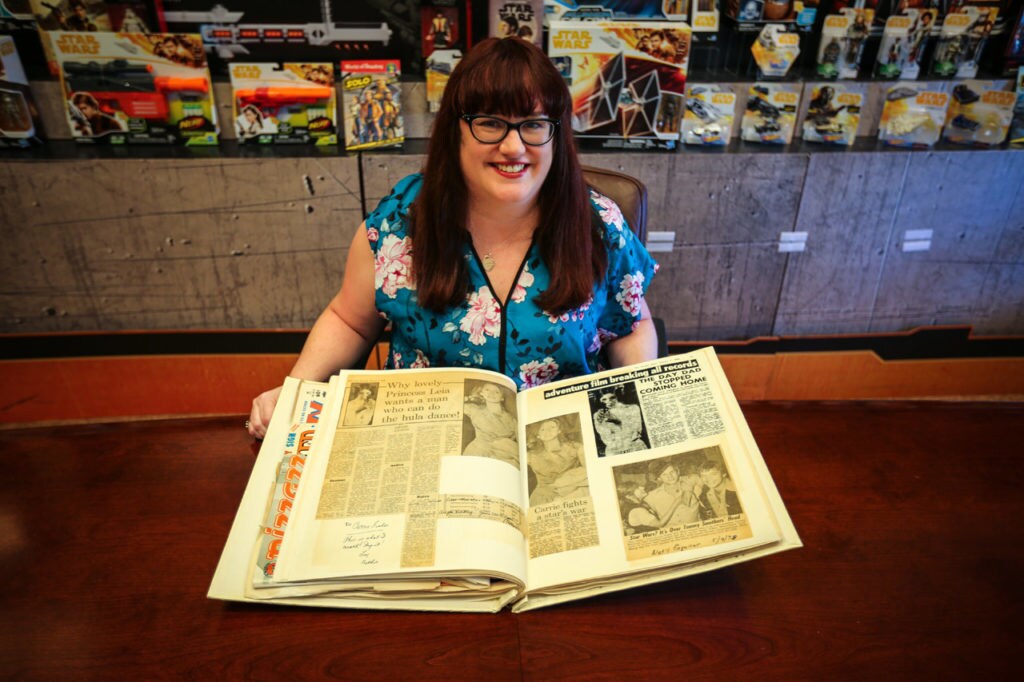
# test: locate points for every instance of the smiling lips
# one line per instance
(510, 168)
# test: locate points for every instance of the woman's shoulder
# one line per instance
(614, 222)
(394, 207)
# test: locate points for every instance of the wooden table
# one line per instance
(911, 514)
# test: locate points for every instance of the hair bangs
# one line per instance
(485, 90)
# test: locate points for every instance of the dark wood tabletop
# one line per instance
(913, 565)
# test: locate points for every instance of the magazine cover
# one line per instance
(371, 101)
(627, 79)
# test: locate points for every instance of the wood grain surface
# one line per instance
(910, 514)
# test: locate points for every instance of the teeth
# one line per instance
(511, 168)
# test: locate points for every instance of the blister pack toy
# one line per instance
(913, 113)
(961, 41)
(770, 114)
(523, 19)
(979, 113)
(903, 43)
(1017, 125)
(833, 112)
(842, 42)
(371, 100)
(136, 88)
(284, 103)
(775, 50)
(710, 112)
(19, 117)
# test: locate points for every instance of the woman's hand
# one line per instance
(262, 410)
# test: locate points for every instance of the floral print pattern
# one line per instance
(514, 337)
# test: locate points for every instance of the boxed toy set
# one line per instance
(701, 15)
(524, 19)
(126, 88)
(284, 103)
(19, 118)
(627, 79)
(371, 99)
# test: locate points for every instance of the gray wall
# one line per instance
(208, 243)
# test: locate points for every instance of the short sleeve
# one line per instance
(630, 270)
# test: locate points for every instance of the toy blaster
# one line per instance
(131, 88)
(282, 96)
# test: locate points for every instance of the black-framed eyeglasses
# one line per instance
(492, 130)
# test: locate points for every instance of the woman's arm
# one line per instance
(640, 345)
(342, 334)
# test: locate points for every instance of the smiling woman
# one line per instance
(497, 255)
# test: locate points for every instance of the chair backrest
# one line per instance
(628, 192)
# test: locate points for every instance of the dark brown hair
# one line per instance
(504, 76)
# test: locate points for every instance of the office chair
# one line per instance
(631, 196)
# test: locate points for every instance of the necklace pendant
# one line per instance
(488, 262)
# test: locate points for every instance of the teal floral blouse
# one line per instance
(514, 337)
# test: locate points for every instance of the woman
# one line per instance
(494, 427)
(517, 267)
(360, 407)
(557, 464)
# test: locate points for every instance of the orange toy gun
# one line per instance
(281, 96)
(131, 88)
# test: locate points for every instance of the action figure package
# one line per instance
(627, 79)
(371, 100)
(913, 113)
(903, 43)
(770, 116)
(775, 50)
(962, 40)
(284, 103)
(842, 43)
(442, 24)
(802, 13)
(523, 19)
(702, 15)
(1017, 126)
(979, 113)
(19, 118)
(127, 88)
(710, 112)
(833, 112)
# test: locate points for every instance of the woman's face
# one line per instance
(548, 430)
(669, 475)
(507, 173)
(491, 393)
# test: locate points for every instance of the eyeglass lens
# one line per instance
(491, 130)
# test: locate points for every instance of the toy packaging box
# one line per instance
(710, 112)
(444, 27)
(833, 112)
(127, 88)
(19, 117)
(962, 40)
(903, 43)
(371, 100)
(300, 31)
(92, 16)
(284, 103)
(843, 36)
(913, 113)
(627, 79)
(523, 19)
(701, 15)
(770, 115)
(16, 9)
(800, 12)
(980, 113)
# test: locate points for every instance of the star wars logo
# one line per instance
(571, 40)
(78, 43)
(520, 11)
